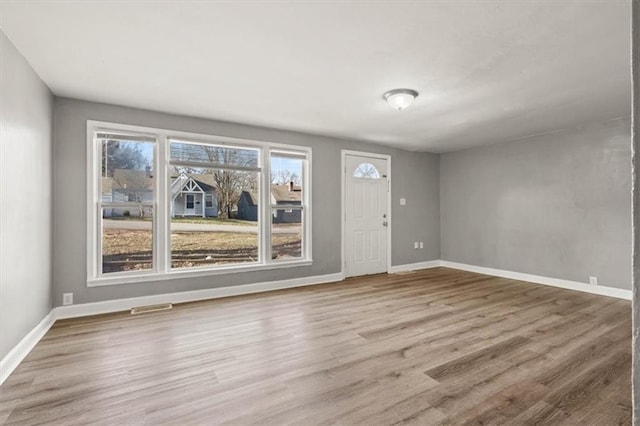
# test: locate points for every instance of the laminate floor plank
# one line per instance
(435, 347)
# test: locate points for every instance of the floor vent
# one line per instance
(150, 308)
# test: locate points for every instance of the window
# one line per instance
(230, 171)
(287, 205)
(171, 204)
(367, 171)
(126, 196)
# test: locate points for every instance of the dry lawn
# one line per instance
(131, 250)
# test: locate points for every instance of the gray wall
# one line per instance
(26, 111)
(636, 209)
(555, 205)
(415, 176)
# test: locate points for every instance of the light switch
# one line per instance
(403, 201)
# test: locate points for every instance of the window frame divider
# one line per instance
(264, 216)
(163, 210)
(212, 165)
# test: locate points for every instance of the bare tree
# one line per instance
(283, 176)
(231, 183)
(134, 185)
(228, 191)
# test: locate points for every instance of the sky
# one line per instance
(288, 164)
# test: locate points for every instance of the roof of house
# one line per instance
(252, 197)
(132, 180)
(206, 182)
(279, 194)
(107, 184)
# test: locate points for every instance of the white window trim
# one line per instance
(162, 220)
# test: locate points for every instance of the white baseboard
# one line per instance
(118, 305)
(414, 266)
(554, 282)
(22, 349)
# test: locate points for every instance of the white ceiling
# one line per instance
(486, 71)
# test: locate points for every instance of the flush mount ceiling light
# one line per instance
(400, 98)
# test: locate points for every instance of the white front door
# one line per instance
(189, 204)
(366, 215)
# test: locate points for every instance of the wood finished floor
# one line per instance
(435, 347)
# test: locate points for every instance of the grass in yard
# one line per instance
(189, 249)
(126, 250)
(130, 250)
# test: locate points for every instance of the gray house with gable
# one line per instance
(192, 194)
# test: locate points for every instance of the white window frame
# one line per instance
(288, 207)
(162, 220)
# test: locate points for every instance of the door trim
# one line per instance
(343, 206)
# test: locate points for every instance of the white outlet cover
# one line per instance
(593, 280)
(403, 201)
(415, 245)
(421, 244)
(67, 299)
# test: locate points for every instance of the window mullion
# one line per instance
(93, 222)
(287, 207)
(211, 165)
(97, 258)
(124, 204)
(306, 212)
(265, 207)
(161, 225)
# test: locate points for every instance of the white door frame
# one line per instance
(343, 205)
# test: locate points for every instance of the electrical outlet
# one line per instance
(593, 280)
(421, 244)
(403, 201)
(67, 299)
(416, 245)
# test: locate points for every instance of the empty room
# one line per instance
(319, 212)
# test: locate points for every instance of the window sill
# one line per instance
(192, 273)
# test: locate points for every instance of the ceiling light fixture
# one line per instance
(400, 98)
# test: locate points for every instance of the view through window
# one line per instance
(202, 235)
(127, 197)
(286, 205)
(213, 206)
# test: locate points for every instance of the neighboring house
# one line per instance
(248, 206)
(287, 194)
(135, 186)
(192, 194)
